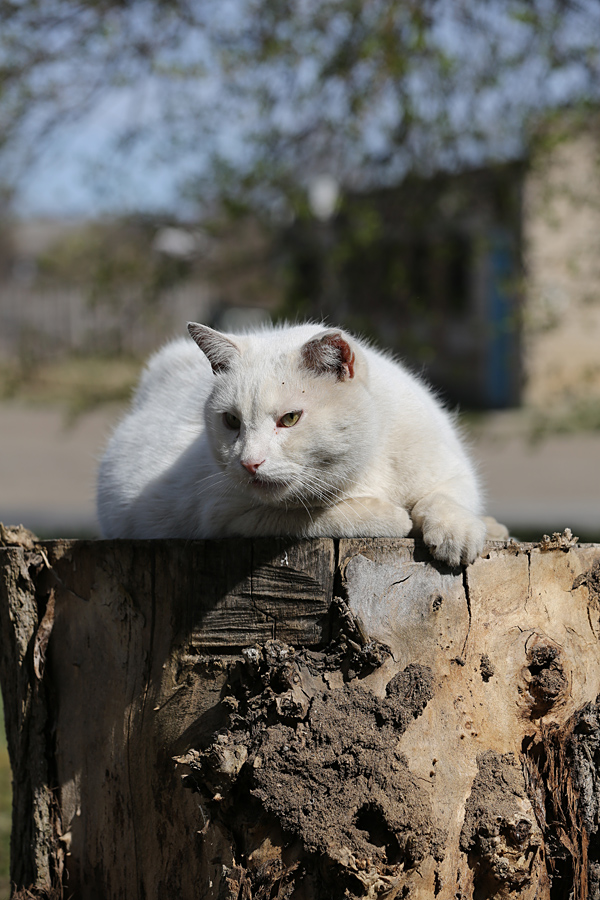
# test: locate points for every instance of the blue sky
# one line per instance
(78, 174)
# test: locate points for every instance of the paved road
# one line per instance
(47, 469)
(539, 487)
(47, 473)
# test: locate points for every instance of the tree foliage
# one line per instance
(250, 99)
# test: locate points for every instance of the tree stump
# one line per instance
(317, 719)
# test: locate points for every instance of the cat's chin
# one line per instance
(278, 493)
(267, 487)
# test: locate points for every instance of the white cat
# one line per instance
(302, 431)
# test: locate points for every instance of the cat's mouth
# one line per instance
(266, 484)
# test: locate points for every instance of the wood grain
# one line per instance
(144, 672)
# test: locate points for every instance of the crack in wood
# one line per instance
(467, 590)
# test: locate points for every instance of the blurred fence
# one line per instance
(41, 323)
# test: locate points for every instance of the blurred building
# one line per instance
(486, 281)
(63, 291)
(123, 287)
(431, 269)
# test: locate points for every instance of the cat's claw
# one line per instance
(456, 543)
(453, 534)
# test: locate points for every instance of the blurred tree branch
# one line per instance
(258, 96)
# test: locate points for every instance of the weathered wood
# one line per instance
(207, 721)
(36, 856)
(513, 643)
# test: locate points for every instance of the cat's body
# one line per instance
(301, 431)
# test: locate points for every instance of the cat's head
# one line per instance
(289, 418)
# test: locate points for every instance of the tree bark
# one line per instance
(320, 719)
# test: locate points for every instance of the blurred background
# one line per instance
(424, 172)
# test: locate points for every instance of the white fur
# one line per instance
(373, 454)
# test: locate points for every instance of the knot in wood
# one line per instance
(546, 681)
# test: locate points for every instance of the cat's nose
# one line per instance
(251, 465)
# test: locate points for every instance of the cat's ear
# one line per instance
(219, 350)
(329, 353)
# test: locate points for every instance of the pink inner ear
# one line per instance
(346, 355)
(329, 354)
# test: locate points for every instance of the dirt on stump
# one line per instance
(308, 765)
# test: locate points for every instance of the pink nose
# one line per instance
(251, 465)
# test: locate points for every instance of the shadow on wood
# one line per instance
(319, 719)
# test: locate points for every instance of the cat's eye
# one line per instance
(290, 418)
(232, 421)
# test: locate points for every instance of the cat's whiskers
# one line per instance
(325, 493)
(210, 481)
(220, 490)
(334, 497)
(321, 488)
(330, 493)
(332, 502)
(307, 510)
(209, 477)
(312, 489)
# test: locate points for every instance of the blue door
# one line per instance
(501, 364)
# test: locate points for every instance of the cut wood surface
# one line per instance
(314, 719)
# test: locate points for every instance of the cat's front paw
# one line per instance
(453, 534)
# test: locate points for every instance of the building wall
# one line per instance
(561, 327)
